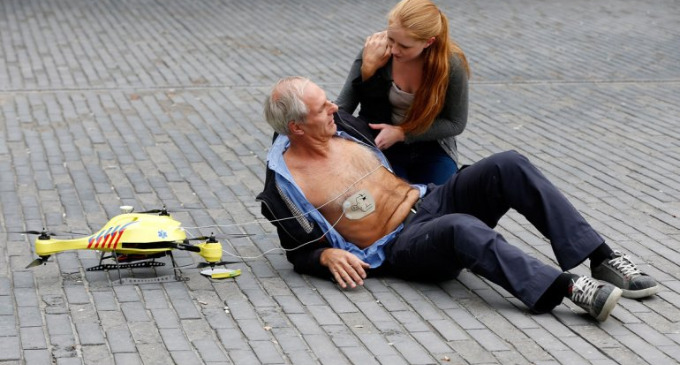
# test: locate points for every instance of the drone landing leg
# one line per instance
(177, 270)
(101, 257)
(115, 257)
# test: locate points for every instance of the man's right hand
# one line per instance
(346, 268)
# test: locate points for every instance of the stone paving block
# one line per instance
(185, 308)
(546, 340)
(209, 351)
(231, 339)
(69, 361)
(63, 345)
(165, 318)
(120, 340)
(305, 324)
(29, 316)
(58, 324)
(10, 348)
(324, 349)
(433, 343)
(324, 315)
(344, 302)
(32, 338)
(302, 358)
(154, 299)
(267, 352)
(154, 354)
(289, 304)
(23, 279)
(37, 357)
(76, 295)
(127, 358)
(6, 305)
(379, 346)
(184, 357)
(412, 351)
(5, 286)
(489, 340)
(174, 339)
(195, 329)
(410, 321)
(243, 357)
(471, 351)
(90, 334)
(584, 349)
(289, 341)
(55, 304)
(341, 335)
(25, 297)
(98, 354)
(104, 300)
(134, 312)
(125, 293)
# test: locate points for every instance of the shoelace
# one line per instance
(583, 290)
(624, 264)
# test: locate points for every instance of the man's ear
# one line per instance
(294, 128)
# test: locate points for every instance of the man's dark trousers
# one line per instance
(453, 229)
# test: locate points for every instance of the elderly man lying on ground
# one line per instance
(340, 212)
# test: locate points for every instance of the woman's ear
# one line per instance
(430, 41)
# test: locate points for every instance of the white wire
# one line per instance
(294, 216)
(282, 248)
(291, 217)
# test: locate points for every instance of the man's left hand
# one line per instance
(346, 268)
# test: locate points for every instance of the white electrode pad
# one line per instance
(358, 205)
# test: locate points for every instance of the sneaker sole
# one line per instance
(609, 305)
(637, 294)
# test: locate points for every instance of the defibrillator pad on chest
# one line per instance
(359, 205)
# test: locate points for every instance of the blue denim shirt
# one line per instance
(374, 254)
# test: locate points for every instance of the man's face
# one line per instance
(319, 121)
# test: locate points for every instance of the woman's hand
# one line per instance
(376, 54)
(346, 268)
(388, 135)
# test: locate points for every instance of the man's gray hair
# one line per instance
(284, 103)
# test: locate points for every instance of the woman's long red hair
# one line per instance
(422, 20)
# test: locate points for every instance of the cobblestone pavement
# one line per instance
(150, 103)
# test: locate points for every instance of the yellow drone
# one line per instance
(134, 240)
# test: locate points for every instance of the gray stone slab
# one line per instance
(37, 357)
(10, 348)
(32, 338)
(90, 334)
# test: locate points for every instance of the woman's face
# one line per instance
(404, 47)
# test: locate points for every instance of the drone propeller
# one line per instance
(212, 239)
(46, 234)
(201, 265)
(37, 262)
(162, 211)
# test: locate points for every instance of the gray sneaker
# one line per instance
(597, 298)
(623, 273)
